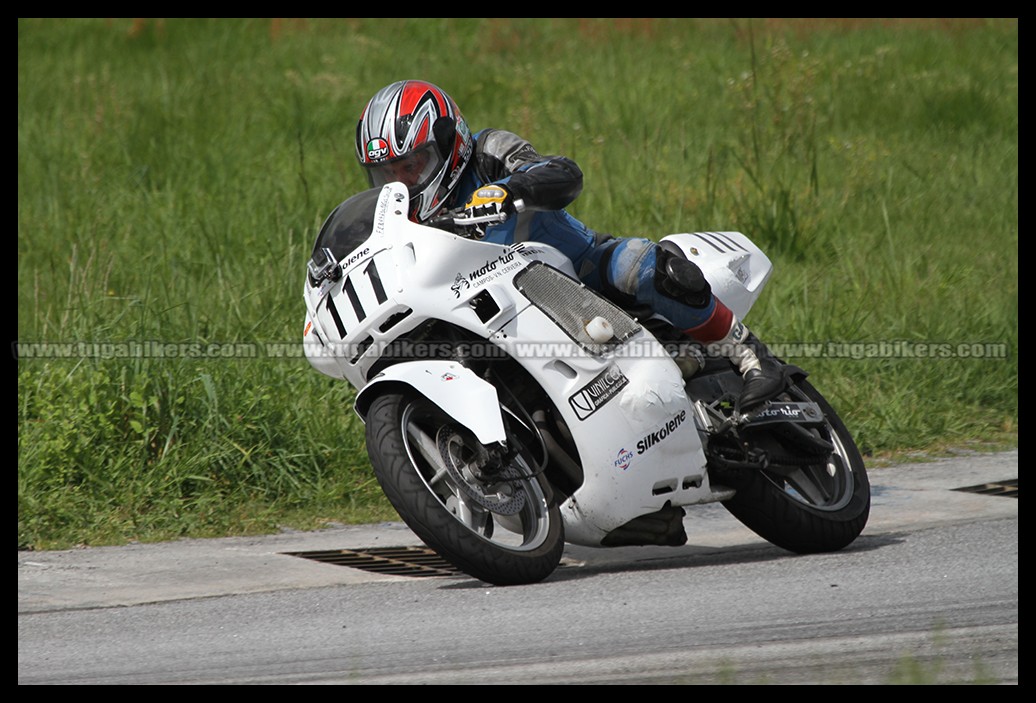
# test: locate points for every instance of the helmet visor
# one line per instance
(415, 170)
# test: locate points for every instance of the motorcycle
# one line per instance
(509, 409)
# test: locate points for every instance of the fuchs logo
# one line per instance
(623, 459)
(589, 399)
(661, 433)
(377, 149)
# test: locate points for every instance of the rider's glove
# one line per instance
(488, 200)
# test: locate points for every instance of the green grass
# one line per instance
(172, 175)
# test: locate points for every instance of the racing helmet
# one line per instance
(411, 131)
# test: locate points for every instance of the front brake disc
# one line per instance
(498, 493)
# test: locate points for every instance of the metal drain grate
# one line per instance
(396, 561)
(999, 488)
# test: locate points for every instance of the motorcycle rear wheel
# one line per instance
(815, 507)
(503, 528)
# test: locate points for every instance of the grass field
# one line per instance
(172, 175)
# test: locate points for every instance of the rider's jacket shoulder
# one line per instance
(541, 182)
(499, 153)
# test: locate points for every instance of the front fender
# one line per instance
(461, 394)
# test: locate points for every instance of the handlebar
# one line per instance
(455, 220)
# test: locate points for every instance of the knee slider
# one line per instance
(681, 279)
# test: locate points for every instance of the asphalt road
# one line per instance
(928, 594)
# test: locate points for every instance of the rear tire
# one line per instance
(817, 507)
(500, 527)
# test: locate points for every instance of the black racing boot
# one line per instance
(682, 280)
(763, 374)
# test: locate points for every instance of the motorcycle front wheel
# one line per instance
(819, 504)
(497, 523)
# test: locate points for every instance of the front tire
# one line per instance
(502, 527)
(817, 506)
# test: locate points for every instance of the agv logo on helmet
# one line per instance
(377, 149)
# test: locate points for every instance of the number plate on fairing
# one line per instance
(355, 303)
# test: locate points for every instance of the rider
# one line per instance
(411, 131)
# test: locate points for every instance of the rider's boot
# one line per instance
(683, 281)
(763, 375)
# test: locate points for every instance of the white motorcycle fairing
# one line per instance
(623, 401)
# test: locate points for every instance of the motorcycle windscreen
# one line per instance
(347, 227)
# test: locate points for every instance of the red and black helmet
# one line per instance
(413, 132)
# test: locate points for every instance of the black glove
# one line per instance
(488, 200)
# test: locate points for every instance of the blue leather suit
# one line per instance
(619, 268)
